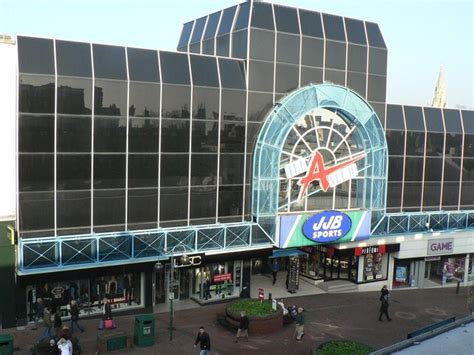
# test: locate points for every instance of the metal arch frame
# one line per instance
(280, 121)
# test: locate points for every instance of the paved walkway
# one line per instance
(328, 316)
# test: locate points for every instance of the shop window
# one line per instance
(217, 281)
(375, 267)
(312, 265)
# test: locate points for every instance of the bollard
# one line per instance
(269, 295)
(457, 286)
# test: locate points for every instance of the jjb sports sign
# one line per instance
(327, 226)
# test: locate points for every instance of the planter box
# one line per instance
(257, 325)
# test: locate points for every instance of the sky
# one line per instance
(421, 35)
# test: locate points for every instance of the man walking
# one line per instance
(385, 294)
(243, 327)
(204, 340)
(299, 319)
(275, 269)
(47, 323)
(74, 312)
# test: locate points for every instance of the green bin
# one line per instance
(144, 330)
(6, 344)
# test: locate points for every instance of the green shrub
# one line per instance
(252, 307)
(343, 347)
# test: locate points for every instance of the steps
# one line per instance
(338, 286)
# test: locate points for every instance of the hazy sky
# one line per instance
(421, 35)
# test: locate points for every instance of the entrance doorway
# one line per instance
(180, 288)
(340, 268)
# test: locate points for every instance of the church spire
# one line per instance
(439, 99)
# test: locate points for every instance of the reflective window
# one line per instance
(174, 170)
(394, 196)
(357, 58)
(452, 169)
(355, 31)
(450, 195)
(434, 119)
(231, 169)
(208, 46)
(376, 88)
(312, 52)
(205, 103)
(243, 16)
(469, 145)
(204, 70)
(413, 169)
(452, 120)
(262, 45)
(143, 65)
(414, 118)
(36, 172)
(73, 209)
(286, 77)
(110, 134)
(357, 82)
(211, 26)
(143, 135)
(434, 144)
(395, 142)
(334, 27)
(260, 76)
(239, 44)
(335, 55)
(205, 137)
(230, 200)
(227, 20)
(73, 172)
(395, 169)
(74, 96)
(110, 98)
(36, 211)
(142, 206)
(109, 171)
(35, 134)
(232, 74)
(432, 195)
(198, 29)
(142, 170)
(195, 47)
(412, 195)
(74, 134)
(174, 135)
(232, 137)
(468, 121)
(374, 35)
(173, 204)
(311, 75)
(144, 100)
(223, 45)
(36, 94)
(35, 55)
(109, 207)
(311, 23)
(109, 62)
(286, 19)
(415, 143)
(468, 171)
(176, 101)
(453, 144)
(233, 105)
(378, 61)
(288, 49)
(259, 105)
(203, 202)
(185, 34)
(174, 68)
(262, 16)
(203, 169)
(252, 132)
(73, 58)
(335, 76)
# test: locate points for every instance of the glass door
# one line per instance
(184, 279)
(159, 286)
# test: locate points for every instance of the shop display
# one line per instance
(373, 267)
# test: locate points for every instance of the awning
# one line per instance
(281, 253)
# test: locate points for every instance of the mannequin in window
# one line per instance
(128, 287)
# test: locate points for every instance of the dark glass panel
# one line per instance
(433, 169)
(335, 77)
(204, 137)
(414, 118)
(109, 62)
(259, 105)
(35, 55)
(468, 171)
(288, 49)
(232, 137)
(198, 29)
(412, 195)
(110, 134)
(469, 145)
(173, 204)
(262, 16)
(74, 134)
(248, 170)
(357, 58)
(144, 100)
(109, 171)
(415, 143)
(176, 101)
(395, 169)
(452, 169)
(203, 202)
(311, 23)
(36, 211)
(379, 110)
(174, 135)
(374, 35)
(73, 209)
(286, 19)
(467, 196)
(334, 27)
(233, 105)
(432, 194)
(452, 120)
(74, 96)
(142, 170)
(434, 119)
(36, 134)
(73, 58)
(227, 20)
(243, 16)
(450, 195)
(286, 77)
(261, 76)
(232, 74)
(203, 169)
(174, 68)
(185, 34)
(357, 82)
(195, 48)
(239, 44)
(143, 206)
(204, 71)
(73, 172)
(453, 145)
(395, 142)
(311, 75)
(377, 88)
(110, 98)
(143, 65)
(208, 47)
(174, 170)
(230, 200)
(413, 169)
(223, 45)
(335, 55)
(109, 207)
(143, 135)
(262, 45)
(36, 94)
(36, 172)
(211, 27)
(378, 61)
(395, 117)
(394, 196)
(468, 121)
(252, 133)
(355, 31)
(231, 169)
(312, 52)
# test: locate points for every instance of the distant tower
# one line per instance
(439, 99)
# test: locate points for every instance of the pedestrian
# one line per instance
(65, 346)
(384, 297)
(58, 322)
(39, 311)
(299, 319)
(107, 322)
(47, 324)
(275, 269)
(243, 327)
(74, 312)
(204, 340)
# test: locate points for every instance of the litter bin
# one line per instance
(144, 330)
(6, 344)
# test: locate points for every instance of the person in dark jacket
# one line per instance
(204, 340)
(385, 294)
(74, 312)
(299, 320)
(243, 327)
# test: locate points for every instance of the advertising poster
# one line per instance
(401, 274)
